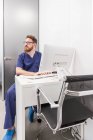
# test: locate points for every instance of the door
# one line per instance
(20, 20)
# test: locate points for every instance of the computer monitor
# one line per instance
(54, 56)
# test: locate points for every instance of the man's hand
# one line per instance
(42, 73)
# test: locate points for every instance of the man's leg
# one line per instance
(31, 111)
(31, 114)
(10, 104)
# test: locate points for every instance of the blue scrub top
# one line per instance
(28, 63)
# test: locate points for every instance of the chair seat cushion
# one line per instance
(74, 112)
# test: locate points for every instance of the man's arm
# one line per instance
(20, 71)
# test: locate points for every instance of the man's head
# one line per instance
(30, 43)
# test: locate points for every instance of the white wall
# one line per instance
(69, 23)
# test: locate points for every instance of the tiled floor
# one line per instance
(34, 130)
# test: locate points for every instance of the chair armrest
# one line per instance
(79, 93)
(79, 78)
(48, 99)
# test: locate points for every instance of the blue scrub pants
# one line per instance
(10, 105)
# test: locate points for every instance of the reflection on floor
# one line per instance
(2, 114)
(34, 130)
(0, 92)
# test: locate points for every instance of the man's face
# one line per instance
(29, 45)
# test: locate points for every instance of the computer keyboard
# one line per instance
(53, 74)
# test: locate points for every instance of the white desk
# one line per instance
(26, 96)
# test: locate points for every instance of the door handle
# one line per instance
(8, 58)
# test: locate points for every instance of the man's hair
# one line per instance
(32, 37)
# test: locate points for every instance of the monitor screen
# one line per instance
(54, 56)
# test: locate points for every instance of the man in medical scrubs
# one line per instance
(27, 64)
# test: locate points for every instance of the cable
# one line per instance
(65, 131)
(75, 132)
(66, 137)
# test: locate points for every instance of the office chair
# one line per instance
(68, 111)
